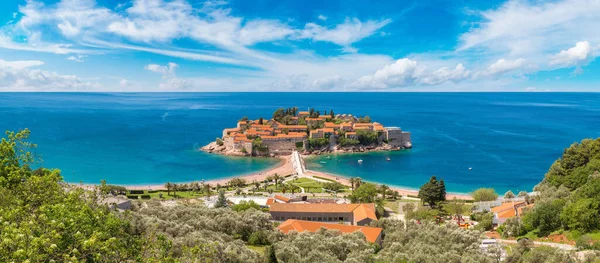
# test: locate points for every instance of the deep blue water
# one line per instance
(509, 139)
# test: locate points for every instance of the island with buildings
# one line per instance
(309, 132)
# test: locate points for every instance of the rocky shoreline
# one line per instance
(213, 147)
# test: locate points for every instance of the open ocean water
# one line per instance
(508, 139)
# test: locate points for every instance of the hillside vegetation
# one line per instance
(42, 219)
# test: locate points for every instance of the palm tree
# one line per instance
(284, 188)
(276, 177)
(175, 187)
(257, 184)
(169, 186)
(355, 183)
(383, 188)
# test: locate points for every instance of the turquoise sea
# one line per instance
(508, 139)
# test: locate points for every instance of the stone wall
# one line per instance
(395, 137)
(281, 145)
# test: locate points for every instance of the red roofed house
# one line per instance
(508, 210)
(372, 234)
(352, 214)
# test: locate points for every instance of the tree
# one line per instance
(221, 201)
(45, 220)
(207, 190)
(383, 189)
(509, 195)
(433, 192)
(332, 115)
(260, 121)
(484, 194)
(455, 208)
(276, 177)
(169, 187)
(245, 205)
(355, 182)
(365, 193)
(243, 119)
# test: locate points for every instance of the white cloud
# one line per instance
(328, 83)
(17, 76)
(322, 17)
(444, 74)
(20, 64)
(504, 65)
(257, 31)
(124, 83)
(406, 72)
(580, 54)
(167, 70)
(534, 28)
(77, 58)
(170, 79)
(345, 34)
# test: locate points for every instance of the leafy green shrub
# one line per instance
(259, 238)
(146, 196)
(136, 192)
(133, 196)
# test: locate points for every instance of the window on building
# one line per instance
(319, 219)
(341, 218)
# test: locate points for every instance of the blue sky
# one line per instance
(346, 45)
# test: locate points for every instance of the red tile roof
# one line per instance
(371, 233)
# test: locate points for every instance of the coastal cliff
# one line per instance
(309, 132)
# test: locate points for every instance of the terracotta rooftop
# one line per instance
(331, 125)
(371, 233)
(303, 113)
(293, 126)
(506, 206)
(282, 198)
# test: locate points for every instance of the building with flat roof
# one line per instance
(372, 234)
(351, 214)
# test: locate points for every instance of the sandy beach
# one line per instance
(282, 168)
(285, 168)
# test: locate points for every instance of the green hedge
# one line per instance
(323, 178)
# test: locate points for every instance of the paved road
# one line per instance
(537, 243)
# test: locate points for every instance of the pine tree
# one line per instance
(222, 201)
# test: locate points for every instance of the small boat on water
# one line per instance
(328, 157)
(323, 162)
(360, 161)
(388, 159)
(470, 168)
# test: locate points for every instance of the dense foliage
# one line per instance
(40, 221)
(569, 195)
(433, 191)
(484, 194)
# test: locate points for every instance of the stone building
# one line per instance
(397, 138)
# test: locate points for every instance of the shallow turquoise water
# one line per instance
(509, 139)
